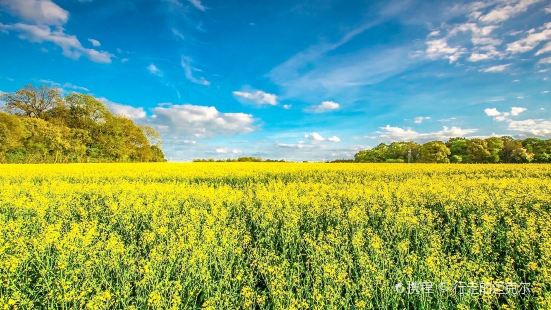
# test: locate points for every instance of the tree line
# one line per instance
(39, 125)
(461, 150)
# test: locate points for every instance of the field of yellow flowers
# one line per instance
(274, 236)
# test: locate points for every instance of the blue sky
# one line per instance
(298, 80)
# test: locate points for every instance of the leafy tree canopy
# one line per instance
(39, 125)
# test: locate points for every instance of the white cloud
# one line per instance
(65, 86)
(420, 119)
(439, 48)
(506, 11)
(94, 42)
(299, 145)
(407, 134)
(503, 116)
(45, 24)
(225, 150)
(531, 41)
(124, 110)
(314, 72)
(201, 121)
(546, 60)
(478, 57)
(485, 26)
(186, 141)
(69, 44)
(41, 12)
(536, 127)
(287, 106)
(189, 72)
(492, 112)
(544, 49)
(496, 69)
(198, 5)
(152, 68)
(259, 97)
(316, 137)
(517, 110)
(324, 106)
(178, 34)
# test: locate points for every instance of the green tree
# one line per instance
(477, 151)
(458, 149)
(495, 146)
(45, 127)
(32, 102)
(434, 152)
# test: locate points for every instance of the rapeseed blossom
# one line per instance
(273, 235)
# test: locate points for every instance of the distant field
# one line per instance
(275, 235)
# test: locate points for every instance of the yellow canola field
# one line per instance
(275, 236)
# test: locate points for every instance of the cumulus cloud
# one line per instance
(41, 12)
(324, 106)
(152, 68)
(201, 121)
(189, 72)
(496, 68)
(259, 97)
(536, 127)
(407, 134)
(503, 116)
(124, 110)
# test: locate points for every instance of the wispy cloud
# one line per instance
(153, 69)
(496, 68)
(420, 119)
(94, 42)
(189, 72)
(198, 5)
(64, 86)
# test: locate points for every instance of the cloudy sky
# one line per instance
(299, 80)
